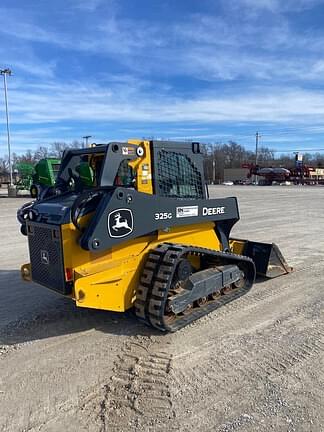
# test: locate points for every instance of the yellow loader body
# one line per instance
(131, 224)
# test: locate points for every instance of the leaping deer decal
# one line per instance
(119, 223)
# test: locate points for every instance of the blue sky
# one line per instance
(209, 70)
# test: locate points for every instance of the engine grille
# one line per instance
(46, 256)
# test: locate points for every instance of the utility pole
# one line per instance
(212, 147)
(4, 73)
(257, 136)
(86, 137)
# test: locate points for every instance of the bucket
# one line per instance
(268, 259)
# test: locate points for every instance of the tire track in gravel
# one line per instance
(261, 304)
(226, 371)
(136, 396)
(276, 355)
(139, 391)
(220, 364)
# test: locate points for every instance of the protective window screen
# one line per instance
(178, 176)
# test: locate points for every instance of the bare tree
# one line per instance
(58, 148)
(42, 152)
(265, 156)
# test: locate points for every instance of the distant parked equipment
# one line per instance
(35, 178)
(4, 178)
(24, 172)
(45, 175)
(301, 174)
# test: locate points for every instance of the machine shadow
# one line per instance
(31, 312)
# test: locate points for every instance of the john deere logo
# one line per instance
(44, 257)
(120, 223)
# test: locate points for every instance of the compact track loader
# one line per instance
(131, 225)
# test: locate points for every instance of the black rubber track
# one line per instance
(157, 277)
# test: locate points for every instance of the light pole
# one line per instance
(86, 138)
(257, 136)
(4, 73)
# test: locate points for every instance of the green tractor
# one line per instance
(23, 172)
(35, 178)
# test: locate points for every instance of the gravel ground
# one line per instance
(257, 364)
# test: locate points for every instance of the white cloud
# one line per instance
(21, 24)
(207, 47)
(55, 102)
(89, 5)
(22, 59)
(102, 35)
(272, 62)
(275, 6)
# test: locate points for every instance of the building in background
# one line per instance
(235, 174)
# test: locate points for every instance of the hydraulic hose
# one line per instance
(81, 202)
